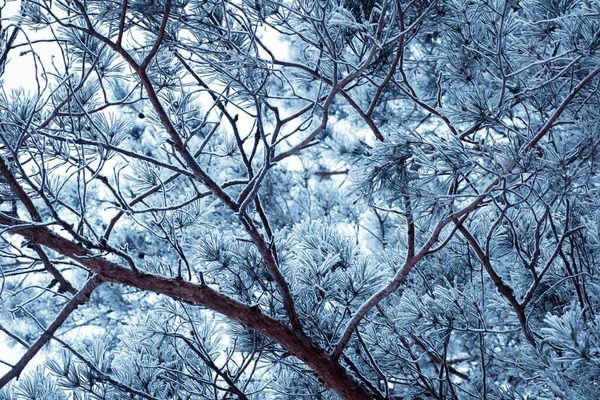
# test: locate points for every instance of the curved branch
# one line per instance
(550, 123)
(327, 368)
(403, 272)
(35, 216)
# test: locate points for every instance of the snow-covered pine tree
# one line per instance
(288, 199)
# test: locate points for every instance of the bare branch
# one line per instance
(80, 298)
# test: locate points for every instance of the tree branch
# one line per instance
(403, 272)
(327, 368)
(80, 298)
(35, 216)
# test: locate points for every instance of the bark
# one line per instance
(35, 216)
(326, 368)
(503, 289)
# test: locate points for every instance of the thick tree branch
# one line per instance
(327, 368)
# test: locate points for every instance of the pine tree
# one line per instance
(267, 199)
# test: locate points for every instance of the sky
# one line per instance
(20, 72)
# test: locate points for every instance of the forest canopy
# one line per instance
(299, 199)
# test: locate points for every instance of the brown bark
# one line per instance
(327, 369)
(35, 216)
(403, 272)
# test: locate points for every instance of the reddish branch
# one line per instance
(550, 123)
(327, 368)
(192, 164)
(410, 262)
(35, 216)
